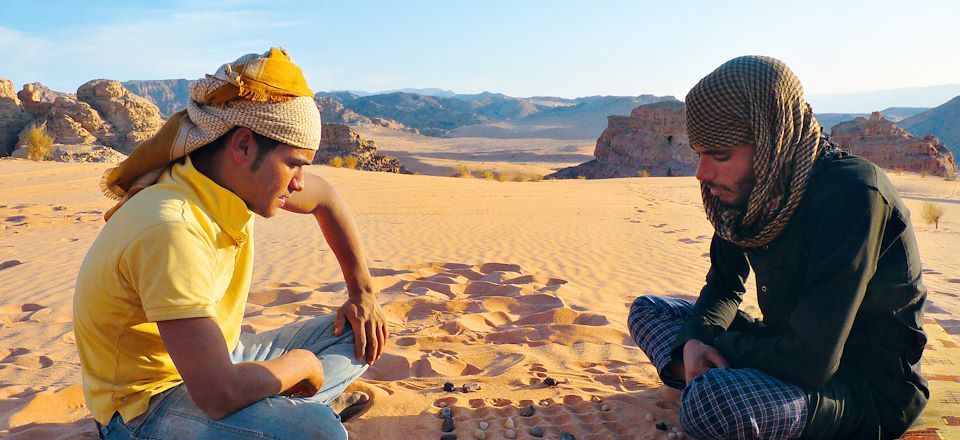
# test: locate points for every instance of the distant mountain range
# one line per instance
(438, 112)
(491, 114)
(942, 121)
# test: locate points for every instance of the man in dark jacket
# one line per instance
(837, 353)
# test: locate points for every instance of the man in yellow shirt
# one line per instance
(160, 295)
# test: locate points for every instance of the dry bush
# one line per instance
(503, 177)
(350, 162)
(931, 213)
(536, 178)
(461, 171)
(643, 173)
(485, 174)
(39, 142)
(581, 177)
(336, 162)
(923, 174)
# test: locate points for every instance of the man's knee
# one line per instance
(708, 408)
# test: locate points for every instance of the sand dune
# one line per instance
(503, 284)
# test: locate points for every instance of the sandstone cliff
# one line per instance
(101, 113)
(341, 140)
(13, 117)
(891, 147)
(651, 141)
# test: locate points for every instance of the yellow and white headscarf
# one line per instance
(266, 93)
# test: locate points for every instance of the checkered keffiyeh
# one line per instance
(756, 100)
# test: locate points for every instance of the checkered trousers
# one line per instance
(722, 403)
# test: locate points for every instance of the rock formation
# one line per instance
(341, 140)
(891, 147)
(13, 117)
(101, 113)
(134, 118)
(651, 141)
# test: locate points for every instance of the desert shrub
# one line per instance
(461, 171)
(39, 142)
(643, 173)
(336, 162)
(485, 174)
(931, 213)
(581, 177)
(536, 178)
(350, 162)
(923, 174)
(502, 177)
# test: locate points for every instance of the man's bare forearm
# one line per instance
(217, 385)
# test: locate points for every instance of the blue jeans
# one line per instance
(173, 415)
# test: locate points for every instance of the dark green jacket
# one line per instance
(840, 291)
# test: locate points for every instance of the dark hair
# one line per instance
(265, 146)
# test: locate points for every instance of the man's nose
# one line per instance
(296, 183)
(705, 172)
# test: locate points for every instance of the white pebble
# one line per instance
(672, 436)
(442, 404)
(605, 407)
(509, 423)
(479, 435)
(484, 425)
(649, 418)
(510, 433)
(544, 403)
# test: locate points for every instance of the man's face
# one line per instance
(727, 173)
(279, 174)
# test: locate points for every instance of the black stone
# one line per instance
(662, 426)
(550, 382)
(446, 413)
(449, 386)
(527, 411)
(448, 437)
(447, 424)
(536, 431)
(567, 436)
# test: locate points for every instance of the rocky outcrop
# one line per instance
(883, 143)
(13, 117)
(134, 118)
(341, 140)
(169, 95)
(37, 98)
(101, 113)
(651, 141)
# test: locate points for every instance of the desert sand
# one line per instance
(499, 283)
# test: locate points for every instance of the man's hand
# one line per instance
(368, 323)
(313, 382)
(699, 357)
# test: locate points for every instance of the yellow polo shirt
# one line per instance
(182, 248)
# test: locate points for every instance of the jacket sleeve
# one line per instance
(843, 238)
(720, 297)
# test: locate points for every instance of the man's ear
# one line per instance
(240, 145)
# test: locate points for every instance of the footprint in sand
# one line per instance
(10, 263)
(22, 357)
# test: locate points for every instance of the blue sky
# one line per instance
(520, 48)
